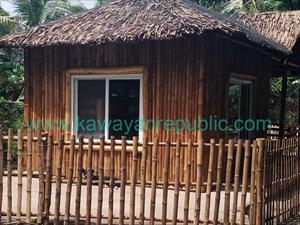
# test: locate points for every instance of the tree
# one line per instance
(102, 2)
(28, 13)
(33, 12)
(7, 22)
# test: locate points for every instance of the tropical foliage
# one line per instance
(28, 13)
(33, 12)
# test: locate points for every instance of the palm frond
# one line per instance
(7, 20)
(55, 9)
(102, 2)
(29, 11)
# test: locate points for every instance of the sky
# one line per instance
(7, 6)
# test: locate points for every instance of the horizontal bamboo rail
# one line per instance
(125, 186)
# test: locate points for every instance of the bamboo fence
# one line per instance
(232, 191)
(282, 181)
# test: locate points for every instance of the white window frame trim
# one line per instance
(107, 78)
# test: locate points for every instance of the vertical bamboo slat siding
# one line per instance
(80, 190)
(182, 79)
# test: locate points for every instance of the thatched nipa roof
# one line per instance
(135, 20)
(282, 27)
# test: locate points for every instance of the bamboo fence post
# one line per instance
(177, 183)
(29, 177)
(294, 183)
(89, 182)
(244, 182)
(268, 182)
(100, 181)
(40, 148)
(20, 174)
(70, 181)
(58, 180)
(133, 182)
(297, 174)
(279, 188)
(187, 183)
(236, 181)
(154, 181)
(284, 180)
(252, 183)
(198, 181)
(9, 175)
(48, 178)
(111, 182)
(209, 181)
(283, 184)
(1, 172)
(219, 182)
(123, 181)
(143, 181)
(78, 181)
(165, 183)
(228, 182)
(291, 151)
(259, 179)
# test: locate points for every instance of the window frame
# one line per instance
(107, 78)
(242, 79)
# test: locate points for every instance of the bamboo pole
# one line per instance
(252, 184)
(133, 182)
(165, 183)
(177, 183)
(100, 181)
(123, 181)
(154, 182)
(29, 178)
(278, 185)
(40, 147)
(48, 178)
(58, 181)
(209, 181)
(89, 183)
(244, 182)
(236, 181)
(20, 174)
(143, 181)
(284, 181)
(198, 181)
(228, 182)
(187, 183)
(70, 181)
(78, 181)
(219, 182)
(1, 172)
(9, 175)
(259, 179)
(111, 182)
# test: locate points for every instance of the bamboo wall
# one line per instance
(183, 79)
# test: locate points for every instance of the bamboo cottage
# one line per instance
(156, 60)
(133, 59)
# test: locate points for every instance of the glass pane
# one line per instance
(239, 107)
(91, 107)
(124, 104)
(234, 107)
